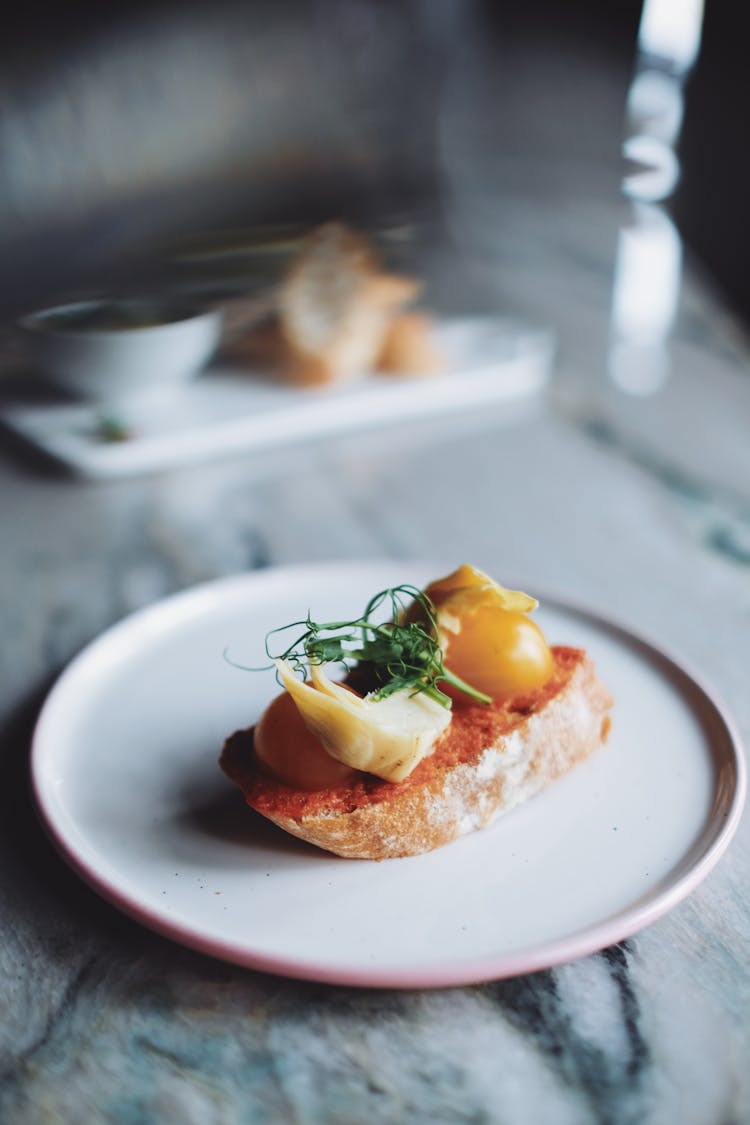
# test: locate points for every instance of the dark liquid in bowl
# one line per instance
(111, 317)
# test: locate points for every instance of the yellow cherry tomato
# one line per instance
(289, 751)
(498, 651)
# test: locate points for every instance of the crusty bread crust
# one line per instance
(453, 794)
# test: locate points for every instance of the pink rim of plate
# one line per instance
(728, 806)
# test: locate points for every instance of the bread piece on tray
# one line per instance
(409, 346)
(335, 307)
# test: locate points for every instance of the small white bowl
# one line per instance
(121, 352)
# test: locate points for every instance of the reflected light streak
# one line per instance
(657, 172)
(670, 30)
(644, 300)
(648, 265)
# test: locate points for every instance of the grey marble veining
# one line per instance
(639, 506)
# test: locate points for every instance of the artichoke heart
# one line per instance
(387, 737)
(468, 590)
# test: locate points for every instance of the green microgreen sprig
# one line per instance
(397, 653)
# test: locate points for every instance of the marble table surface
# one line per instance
(639, 503)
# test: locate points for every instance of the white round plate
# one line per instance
(125, 773)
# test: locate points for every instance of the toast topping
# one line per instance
(486, 636)
(466, 591)
(399, 665)
(291, 754)
(386, 737)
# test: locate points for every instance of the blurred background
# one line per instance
(132, 136)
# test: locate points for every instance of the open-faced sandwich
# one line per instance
(452, 709)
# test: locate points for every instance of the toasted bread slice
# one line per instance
(335, 307)
(490, 759)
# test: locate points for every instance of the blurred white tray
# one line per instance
(224, 411)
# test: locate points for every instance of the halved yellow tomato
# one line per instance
(486, 635)
(500, 652)
(289, 751)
